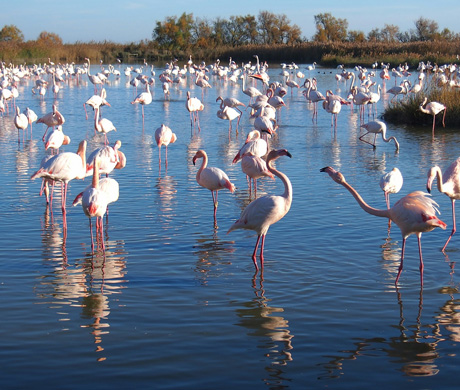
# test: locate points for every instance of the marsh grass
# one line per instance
(406, 110)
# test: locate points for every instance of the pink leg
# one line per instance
(214, 200)
(454, 228)
(91, 233)
(401, 262)
(262, 252)
(254, 259)
(419, 236)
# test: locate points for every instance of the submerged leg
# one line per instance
(454, 228)
(401, 262)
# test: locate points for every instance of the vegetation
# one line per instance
(406, 110)
(271, 36)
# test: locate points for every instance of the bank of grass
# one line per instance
(406, 110)
(323, 53)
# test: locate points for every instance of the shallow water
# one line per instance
(175, 303)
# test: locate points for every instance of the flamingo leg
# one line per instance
(454, 228)
(402, 260)
(419, 236)
(215, 202)
(91, 233)
(254, 259)
(262, 251)
(443, 117)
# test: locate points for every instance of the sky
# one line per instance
(132, 21)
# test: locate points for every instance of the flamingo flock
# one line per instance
(414, 213)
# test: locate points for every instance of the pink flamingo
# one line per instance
(414, 213)
(212, 178)
(144, 98)
(433, 108)
(109, 157)
(63, 168)
(94, 204)
(377, 127)
(21, 123)
(56, 138)
(96, 101)
(31, 117)
(194, 106)
(449, 184)
(52, 119)
(233, 103)
(254, 145)
(163, 137)
(263, 212)
(254, 167)
(103, 125)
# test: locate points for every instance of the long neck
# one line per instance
(287, 183)
(440, 180)
(95, 183)
(363, 204)
(203, 166)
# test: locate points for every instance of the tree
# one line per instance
(329, 28)
(356, 36)
(173, 32)
(276, 29)
(201, 32)
(425, 30)
(10, 33)
(47, 38)
(390, 33)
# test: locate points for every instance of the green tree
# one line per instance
(10, 33)
(276, 29)
(329, 28)
(173, 32)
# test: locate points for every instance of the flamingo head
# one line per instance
(199, 154)
(335, 175)
(431, 176)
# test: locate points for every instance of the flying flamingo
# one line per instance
(52, 119)
(391, 183)
(164, 136)
(144, 98)
(103, 125)
(212, 178)
(254, 167)
(21, 123)
(56, 138)
(377, 127)
(64, 167)
(449, 184)
(433, 108)
(414, 213)
(194, 106)
(263, 212)
(94, 204)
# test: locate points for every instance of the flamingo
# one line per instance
(391, 183)
(399, 89)
(56, 138)
(377, 127)
(103, 125)
(263, 212)
(97, 101)
(194, 106)
(449, 184)
(64, 167)
(233, 103)
(212, 178)
(433, 108)
(254, 167)
(313, 96)
(333, 107)
(31, 117)
(94, 79)
(414, 213)
(201, 82)
(21, 123)
(107, 185)
(374, 98)
(229, 114)
(144, 98)
(252, 92)
(164, 136)
(110, 158)
(94, 203)
(254, 145)
(52, 119)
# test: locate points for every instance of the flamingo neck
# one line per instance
(287, 183)
(95, 183)
(204, 164)
(368, 209)
(440, 182)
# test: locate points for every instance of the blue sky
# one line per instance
(131, 21)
